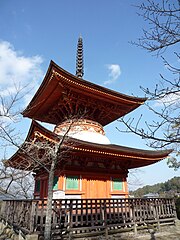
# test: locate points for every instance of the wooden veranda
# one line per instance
(86, 217)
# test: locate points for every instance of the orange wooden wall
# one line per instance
(89, 186)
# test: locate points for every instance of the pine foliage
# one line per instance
(167, 189)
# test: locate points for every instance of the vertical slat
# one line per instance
(162, 209)
(95, 210)
(126, 210)
(173, 207)
(168, 207)
(43, 207)
(113, 203)
(70, 214)
(75, 206)
(82, 209)
(32, 216)
(118, 210)
(105, 220)
(88, 212)
(54, 210)
(91, 211)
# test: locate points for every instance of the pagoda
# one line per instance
(94, 168)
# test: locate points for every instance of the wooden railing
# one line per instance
(88, 214)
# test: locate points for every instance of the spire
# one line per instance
(79, 58)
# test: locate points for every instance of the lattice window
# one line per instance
(37, 186)
(55, 183)
(117, 184)
(72, 183)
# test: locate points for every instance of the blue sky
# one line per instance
(34, 32)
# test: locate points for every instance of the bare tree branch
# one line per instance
(163, 18)
(163, 31)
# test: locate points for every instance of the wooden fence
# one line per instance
(87, 215)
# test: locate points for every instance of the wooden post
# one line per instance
(32, 216)
(156, 215)
(173, 206)
(134, 218)
(105, 220)
(70, 219)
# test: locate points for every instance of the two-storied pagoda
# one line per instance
(95, 168)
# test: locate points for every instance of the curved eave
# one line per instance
(18, 160)
(128, 157)
(57, 79)
(36, 127)
(72, 79)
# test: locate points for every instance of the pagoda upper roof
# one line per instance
(127, 157)
(62, 94)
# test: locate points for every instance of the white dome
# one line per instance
(88, 136)
(83, 129)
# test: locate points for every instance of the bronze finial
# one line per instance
(79, 58)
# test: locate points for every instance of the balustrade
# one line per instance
(87, 214)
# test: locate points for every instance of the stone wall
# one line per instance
(7, 232)
(164, 233)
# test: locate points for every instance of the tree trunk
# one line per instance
(47, 232)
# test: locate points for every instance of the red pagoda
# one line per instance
(95, 168)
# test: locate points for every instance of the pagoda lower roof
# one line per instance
(62, 94)
(127, 157)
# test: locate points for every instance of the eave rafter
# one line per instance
(58, 83)
(128, 156)
(123, 157)
(73, 104)
(92, 90)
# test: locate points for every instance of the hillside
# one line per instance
(167, 189)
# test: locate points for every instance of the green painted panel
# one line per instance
(37, 186)
(117, 184)
(55, 183)
(72, 183)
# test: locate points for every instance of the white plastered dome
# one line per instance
(88, 136)
(85, 130)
